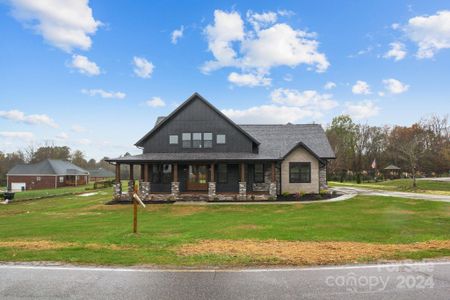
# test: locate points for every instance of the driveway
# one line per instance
(364, 191)
(445, 179)
(394, 281)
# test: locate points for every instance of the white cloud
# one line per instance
(361, 88)
(262, 49)
(395, 86)
(430, 33)
(77, 128)
(177, 34)
(155, 102)
(227, 28)
(65, 24)
(329, 85)
(103, 93)
(361, 110)
(249, 79)
(269, 114)
(84, 65)
(22, 135)
(142, 67)
(309, 99)
(62, 136)
(381, 94)
(261, 20)
(36, 119)
(397, 51)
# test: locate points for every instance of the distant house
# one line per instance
(100, 174)
(198, 150)
(46, 174)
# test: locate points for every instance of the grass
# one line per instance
(89, 232)
(42, 193)
(402, 185)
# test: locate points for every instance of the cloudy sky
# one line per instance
(94, 75)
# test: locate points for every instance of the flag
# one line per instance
(374, 164)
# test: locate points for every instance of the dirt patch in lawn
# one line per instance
(246, 227)
(305, 253)
(53, 245)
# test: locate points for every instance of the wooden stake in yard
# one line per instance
(136, 200)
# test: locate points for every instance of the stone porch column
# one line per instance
(131, 182)
(242, 184)
(211, 190)
(117, 187)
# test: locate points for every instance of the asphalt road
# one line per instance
(396, 281)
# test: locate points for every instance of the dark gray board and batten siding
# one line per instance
(197, 116)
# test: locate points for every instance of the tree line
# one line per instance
(362, 151)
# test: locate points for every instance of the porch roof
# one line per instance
(200, 156)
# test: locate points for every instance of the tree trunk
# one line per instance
(414, 177)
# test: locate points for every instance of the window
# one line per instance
(221, 139)
(207, 140)
(156, 175)
(173, 139)
(222, 176)
(186, 140)
(196, 140)
(38, 178)
(258, 173)
(61, 179)
(299, 172)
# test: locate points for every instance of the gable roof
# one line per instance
(392, 167)
(100, 172)
(48, 167)
(278, 140)
(160, 122)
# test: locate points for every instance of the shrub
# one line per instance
(285, 194)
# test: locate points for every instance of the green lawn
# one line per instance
(90, 232)
(403, 185)
(32, 194)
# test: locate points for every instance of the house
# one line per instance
(197, 152)
(100, 174)
(47, 174)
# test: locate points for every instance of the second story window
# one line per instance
(221, 139)
(186, 140)
(173, 139)
(196, 140)
(207, 140)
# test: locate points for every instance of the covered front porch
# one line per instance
(194, 180)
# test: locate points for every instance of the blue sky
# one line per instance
(95, 75)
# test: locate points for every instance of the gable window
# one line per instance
(196, 140)
(222, 175)
(207, 140)
(186, 140)
(173, 139)
(258, 173)
(221, 139)
(299, 172)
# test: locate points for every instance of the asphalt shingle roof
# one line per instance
(48, 167)
(278, 140)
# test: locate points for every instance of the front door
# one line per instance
(197, 178)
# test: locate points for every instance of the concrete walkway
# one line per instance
(364, 191)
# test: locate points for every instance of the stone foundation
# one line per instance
(242, 191)
(175, 189)
(211, 190)
(131, 184)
